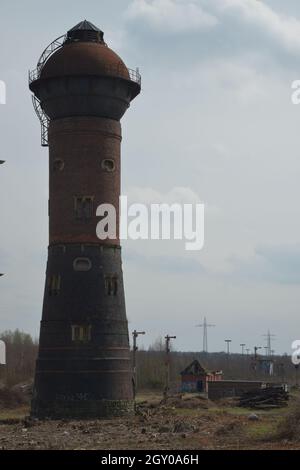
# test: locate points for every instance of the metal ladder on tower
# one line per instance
(44, 120)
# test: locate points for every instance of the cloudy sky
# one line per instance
(214, 123)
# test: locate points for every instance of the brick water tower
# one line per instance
(81, 91)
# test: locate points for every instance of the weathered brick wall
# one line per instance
(81, 144)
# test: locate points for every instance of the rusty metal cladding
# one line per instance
(83, 368)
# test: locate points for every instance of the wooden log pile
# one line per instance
(265, 398)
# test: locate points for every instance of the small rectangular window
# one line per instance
(115, 285)
(81, 333)
(54, 284)
(111, 285)
(83, 207)
(76, 333)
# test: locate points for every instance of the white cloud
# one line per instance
(241, 81)
(181, 16)
(278, 264)
(179, 195)
(171, 16)
(283, 28)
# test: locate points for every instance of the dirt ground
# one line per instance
(182, 423)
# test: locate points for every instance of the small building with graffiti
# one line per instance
(195, 378)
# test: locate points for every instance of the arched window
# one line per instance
(108, 165)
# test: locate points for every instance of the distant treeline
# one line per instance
(151, 367)
(22, 351)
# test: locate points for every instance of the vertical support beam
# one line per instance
(167, 363)
(135, 335)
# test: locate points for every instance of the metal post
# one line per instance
(167, 383)
(243, 353)
(256, 348)
(135, 335)
(228, 341)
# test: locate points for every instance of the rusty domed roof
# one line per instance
(84, 58)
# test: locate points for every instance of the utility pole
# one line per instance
(135, 335)
(168, 350)
(228, 341)
(256, 348)
(243, 361)
(247, 351)
(205, 325)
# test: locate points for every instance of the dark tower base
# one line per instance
(81, 410)
(83, 368)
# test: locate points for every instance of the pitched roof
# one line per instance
(85, 26)
(195, 368)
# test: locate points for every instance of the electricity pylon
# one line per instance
(205, 325)
(269, 338)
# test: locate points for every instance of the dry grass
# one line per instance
(16, 414)
(289, 426)
(182, 424)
